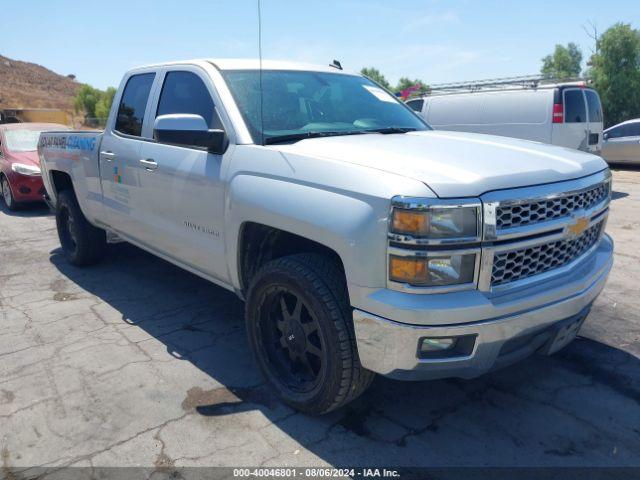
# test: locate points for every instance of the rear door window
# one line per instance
(632, 129)
(574, 107)
(133, 104)
(185, 92)
(593, 105)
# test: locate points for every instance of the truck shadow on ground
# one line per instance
(615, 195)
(579, 407)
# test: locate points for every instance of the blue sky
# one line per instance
(436, 40)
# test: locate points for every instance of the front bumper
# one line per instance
(26, 188)
(522, 323)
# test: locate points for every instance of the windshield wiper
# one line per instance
(294, 137)
(386, 130)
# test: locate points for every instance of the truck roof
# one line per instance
(251, 64)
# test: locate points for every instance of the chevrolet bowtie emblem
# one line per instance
(576, 228)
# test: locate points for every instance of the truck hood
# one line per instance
(454, 164)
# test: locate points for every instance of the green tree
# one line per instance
(615, 72)
(104, 103)
(375, 75)
(94, 103)
(564, 62)
(405, 83)
(86, 100)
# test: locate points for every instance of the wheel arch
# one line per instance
(60, 181)
(259, 244)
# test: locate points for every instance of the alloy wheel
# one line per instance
(291, 340)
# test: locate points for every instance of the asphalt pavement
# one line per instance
(137, 362)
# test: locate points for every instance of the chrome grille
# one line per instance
(526, 262)
(527, 213)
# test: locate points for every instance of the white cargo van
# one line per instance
(568, 115)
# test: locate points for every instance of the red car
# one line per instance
(20, 178)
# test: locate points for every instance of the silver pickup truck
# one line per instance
(361, 240)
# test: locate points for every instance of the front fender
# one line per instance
(352, 225)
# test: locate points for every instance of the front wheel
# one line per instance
(300, 329)
(7, 195)
(82, 243)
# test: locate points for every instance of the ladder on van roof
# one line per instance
(505, 83)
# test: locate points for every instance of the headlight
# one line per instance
(434, 244)
(23, 169)
(435, 270)
(437, 222)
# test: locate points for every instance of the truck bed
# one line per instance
(73, 156)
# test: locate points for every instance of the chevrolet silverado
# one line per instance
(361, 240)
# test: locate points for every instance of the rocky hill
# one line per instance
(27, 85)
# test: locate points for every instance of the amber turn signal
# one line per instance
(441, 270)
(407, 221)
(408, 269)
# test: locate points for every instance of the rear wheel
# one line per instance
(83, 244)
(300, 329)
(7, 195)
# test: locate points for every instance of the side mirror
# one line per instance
(189, 130)
(605, 136)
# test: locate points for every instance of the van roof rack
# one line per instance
(505, 83)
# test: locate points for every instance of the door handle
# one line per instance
(149, 163)
(107, 155)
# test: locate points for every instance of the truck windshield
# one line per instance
(22, 140)
(300, 104)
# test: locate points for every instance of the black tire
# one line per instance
(83, 244)
(305, 296)
(7, 195)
